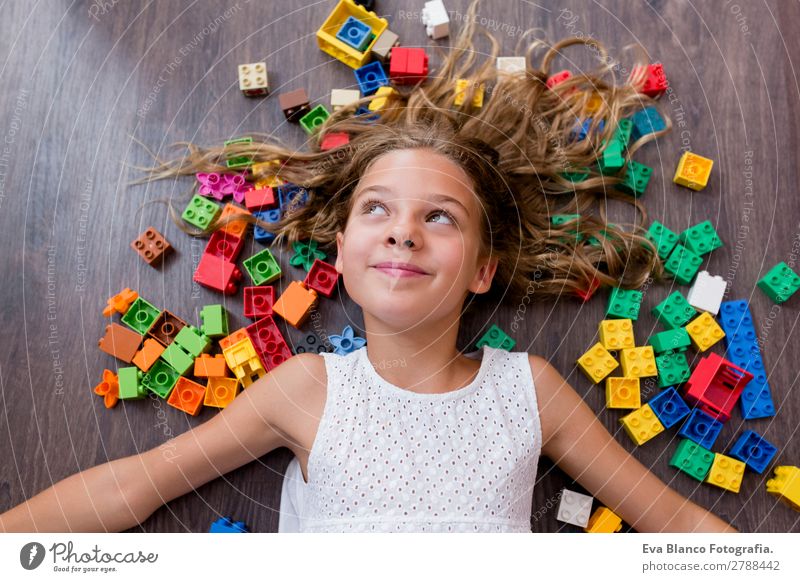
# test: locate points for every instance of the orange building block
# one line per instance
(237, 227)
(295, 304)
(147, 356)
(221, 391)
(120, 302)
(108, 389)
(235, 337)
(187, 396)
(210, 366)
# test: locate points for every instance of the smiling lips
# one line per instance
(397, 269)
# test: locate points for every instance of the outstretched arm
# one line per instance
(582, 447)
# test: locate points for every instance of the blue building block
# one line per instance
(291, 195)
(669, 407)
(701, 428)
(355, 34)
(646, 121)
(260, 234)
(370, 77)
(226, 525)
(364, 114)
(754, 450)
(580, 133)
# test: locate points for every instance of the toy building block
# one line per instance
(130, 384)
(235, 158)
(382, 47)
(226, 525)
(462, 91)
(268, 343)
(370, 77)
(147, 356)
(312, 344)
(355, 33)
(692, 459)
(152, 247)
(322, 278)
(558, 78)
(326, 35)
(674, 311)
(120, 302)
(779, 283)
(435, 18)
(586, 293)
(120, 342)
(662, 238)
(645, 122)
(496, 338)
(177, 358)
(693, 171)
(380, 98)
(218, 186)
(704, 332)
(295, 303)
(574, 508)
(201, 212)
(108, 388)
(597, 363)
(701, 428)
(616, 334)
(305, 253)
(333, 140)
(624, 304)
(261, 234)
(683, 264)
(701, 238)
(346, 342)
(253, 79)
(140, 316)
(207, 366)
(642, 424)
(244, 362)
(706, 292)
(160, 379)
(192, 341)
(715, 385)
(612, 157)
(673, 368)
(408, 66)
(217, 274)
(290, 197)
(220, 392)
(294, 104)
(671, 340)
(224, 245)
(623, 393)
(785, 485)
(187, 396)
(669, 407)
(753, 450)
(593, 103)
(258, 301)
(237, 228)
(314, 119)
(653, 80)
(726, 473)
(604, 520)
(635, 179)
(343, 97)
(262, 267)
(214, 320)
(166, 327)
(511, 65)
(638, 362)
(233, 338)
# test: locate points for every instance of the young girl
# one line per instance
(434, 209)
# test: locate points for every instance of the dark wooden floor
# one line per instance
(79, 80)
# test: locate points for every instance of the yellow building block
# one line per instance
(461, 91)
(693, 171)
(326, 35)
(380, 100)
(244, 362)
(638, 362)
(220, 392)
(785, 485)
(593, 103)
(604, 520)
(726, 472)
(642, 424)
(616, 334)
(597, 363)
(704, 331)
(623, 393)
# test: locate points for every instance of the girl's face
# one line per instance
(420, 196)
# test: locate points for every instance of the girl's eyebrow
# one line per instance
(434, 197)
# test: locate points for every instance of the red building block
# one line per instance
(322, 278)
(152, 247)
(217, 274)
(258, 301)
(269, 343)
(408, 66)
(187, 396)
(586, 294)
(715, 385)
(655, 81)
(224, 245)
(259, 199)
(557, 78)
(333, 140)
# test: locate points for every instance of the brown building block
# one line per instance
(120, 342)
(152, 246)
(166, 327)
(295, 104)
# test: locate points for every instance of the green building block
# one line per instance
(780, 283)
(683, 264)
(239, 161)
(673, 368)
(624, 303)
(674, 311)
(177, 358)
(635, 180)
(700, 238)
(314, 119)
(496, 338)
(130, 383)
(140, 316)
(671, 340)
(662, 237)
(692, 459)
(214, 321)
(623, 132)
(604, 232)
(262, 267)
(161, 378)
(201, 212)
(576, 175)
(193, 341)
(611, 158)
(559, 219)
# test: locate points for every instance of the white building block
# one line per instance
(435, 19)
(510, 65)
(707, 292)
(574, 508)
(253, 79)
(343, 97)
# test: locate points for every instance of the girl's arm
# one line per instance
(123, 493)
(580, 445)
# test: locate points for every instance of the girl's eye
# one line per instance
(369, 205)
(446, 215)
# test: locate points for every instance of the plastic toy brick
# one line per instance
(576, 174)
(201, 212)
(217, 274)
(160, 379)
(635, 179)
(408, 66)
(655, 81)
(140, 316)
(669, 407)
(253, 79)
(673, 368)
(226, 525)
(152, 247)
(355, 34)
(683, 264)
(343, 98)
(218, 186)
(147, 356)
(370, 77)
(616, 334)
(434, 17)
(187, 396)
(258, 301)
(726, 473)
(674, 311)
(663, 239)
(326, 35)
(366, 116)
(645, 122)
(642, 424)
(214, 320)
(312, 344)
(384, 45)
(295, 303)
(268, 343)
(108, 388)
(333, 140)
(586, 294)
(294, 104)
(496, 338)
(261, 234)
(166, 327)
(238, 161)
(557, 78)
(130, 383)
(259, 199)
(670, 340)
(120, 302)
(692, 459)
(220, 392)
(597, 363)
(314, 119)
(779, 283)
(753, 450)
(511, 65)
(192, 341)
(715, 385)
(693, 171)
(785, 485)
(585, 127)
(756, 400)
(611, 159)
(604, 520)
(347, 342)
(290, 197)
(623, 133)
(379, 99)
(237, 228)
(574, 508)
(244, 362)
(177, 358)
(462, 90)
(305, 253)
(561, 219)
(206, 366)
(224, 245)
(322, 278)
(638, 362)
(700, 238)
(701, 428)
(120, 342)
(704, 332)
(593, 102)
(623, 393)
(624, 304)
(706, 292)
(262, 267)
